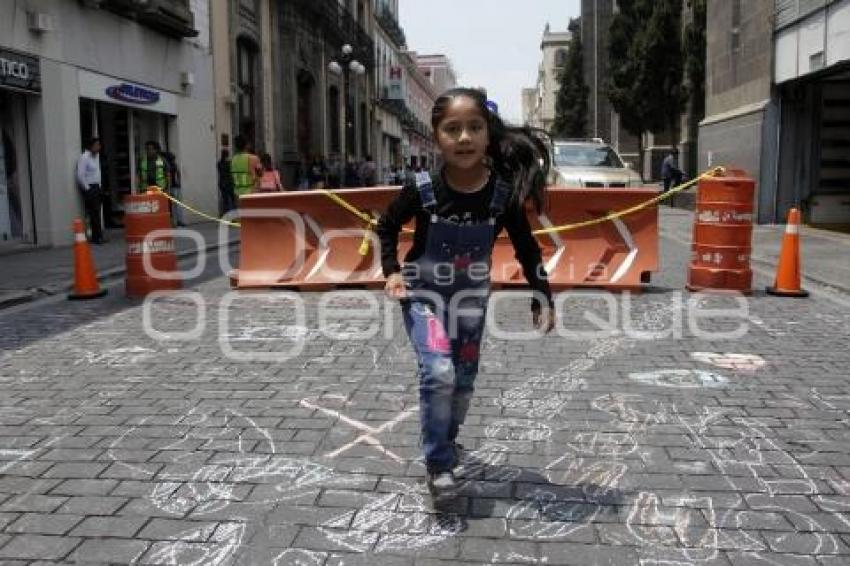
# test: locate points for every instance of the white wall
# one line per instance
(55, 142)
(824, 34)
(196, 150)
(102, 42)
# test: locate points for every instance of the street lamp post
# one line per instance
(346, 65)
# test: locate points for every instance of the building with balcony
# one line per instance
(127, 71)
(389, 43)
(419, 98)
(243, 54)
(320, 114)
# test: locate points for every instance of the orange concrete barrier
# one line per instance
(722, 240)
(614, 254)
(151, 261)
(305, 240)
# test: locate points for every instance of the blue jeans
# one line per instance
(447, 355)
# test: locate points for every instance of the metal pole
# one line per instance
(595, 69)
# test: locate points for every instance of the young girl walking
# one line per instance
(490, 171)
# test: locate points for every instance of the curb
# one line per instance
(14, 298)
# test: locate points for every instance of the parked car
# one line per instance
(590, 163)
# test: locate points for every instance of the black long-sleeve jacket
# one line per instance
(462, 208)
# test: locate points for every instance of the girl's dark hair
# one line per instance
(266, 162)
(519, 154)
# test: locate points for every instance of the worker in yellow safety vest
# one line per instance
(245, 168)
(153, 169)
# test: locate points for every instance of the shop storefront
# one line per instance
(20, 80)
(124, 116)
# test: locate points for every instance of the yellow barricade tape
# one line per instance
(349, 207)
(193, 210)
(371, 221)
(714, 172)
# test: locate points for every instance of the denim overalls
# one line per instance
(448, 287)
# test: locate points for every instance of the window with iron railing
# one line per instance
(339, 25)
(171, 17)
(389, 22)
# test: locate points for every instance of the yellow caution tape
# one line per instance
(193, 210)
(349, 207)
(368, 219)
(371, 221)
(715, 172)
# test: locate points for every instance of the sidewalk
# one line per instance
(31, 275)
(825, 255)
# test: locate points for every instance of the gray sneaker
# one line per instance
(442, 483)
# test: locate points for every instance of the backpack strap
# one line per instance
(425, 186)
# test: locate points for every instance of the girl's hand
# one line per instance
(395, 288)
(544, 319)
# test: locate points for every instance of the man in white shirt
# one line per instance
(88, 180)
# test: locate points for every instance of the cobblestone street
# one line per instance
(272, 438)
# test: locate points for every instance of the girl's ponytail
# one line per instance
(521, 155)
(518, 154)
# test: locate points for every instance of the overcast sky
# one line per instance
(492, 43)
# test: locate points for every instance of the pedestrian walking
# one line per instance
(302, 173)
(316, 177)
(368, 172)
(174, 188)
(350, 178)
(491, 170)
(227, 196)
(245, 168)
(670, 172)
(88, 181)
(153, 170)
(270, 179)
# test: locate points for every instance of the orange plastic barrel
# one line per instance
(144, 214)
(723, 231)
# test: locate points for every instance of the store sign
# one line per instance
(126, 92)
(121, 91)
(19, 71)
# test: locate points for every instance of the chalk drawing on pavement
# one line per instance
(299, 557)
(190, 552)
(739, 362)
(681, 378)
(369, 436)
(401, 519)
(518, 429)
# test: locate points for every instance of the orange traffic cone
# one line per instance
(85, 276)
(787, 283)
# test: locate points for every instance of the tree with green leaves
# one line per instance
(646, 66)
(571, 102)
